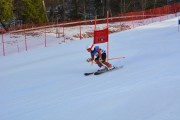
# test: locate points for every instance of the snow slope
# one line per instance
(48, 84)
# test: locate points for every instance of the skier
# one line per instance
(100, 57)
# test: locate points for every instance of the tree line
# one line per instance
(87, 9)
(43, 11)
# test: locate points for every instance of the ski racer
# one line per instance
(100, 57)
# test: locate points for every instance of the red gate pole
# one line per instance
(116, 58)
(108, 34)
(107, 18)
(95, 23)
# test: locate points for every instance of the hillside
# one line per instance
(48, 84)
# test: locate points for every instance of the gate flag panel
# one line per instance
(101, 36)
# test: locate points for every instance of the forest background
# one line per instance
(43, 11)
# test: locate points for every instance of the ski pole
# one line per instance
(116, 58)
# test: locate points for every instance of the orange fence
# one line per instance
(168, 9)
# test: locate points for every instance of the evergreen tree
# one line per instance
(6, 11)
(75, 9)
(30, 11)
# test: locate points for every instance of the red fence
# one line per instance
(168, 9)
(28, 36)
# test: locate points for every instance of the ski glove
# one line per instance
(100, 60)
(89, 60)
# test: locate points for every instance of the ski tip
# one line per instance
(86, 74)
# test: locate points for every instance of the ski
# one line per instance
(115, 68)
(100, 72)
(90, 73)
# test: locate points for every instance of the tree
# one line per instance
(6, 12)
(30, 11)
(76, 9)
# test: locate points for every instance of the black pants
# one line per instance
(103, 57)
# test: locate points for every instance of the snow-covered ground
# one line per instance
(48, 84)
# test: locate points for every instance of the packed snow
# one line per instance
(49, 83)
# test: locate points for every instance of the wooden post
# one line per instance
(25, 40)
(80, 31)
(45, 37)
(63, 32)
(3, 42)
